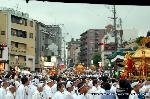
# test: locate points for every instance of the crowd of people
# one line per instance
(70, 86)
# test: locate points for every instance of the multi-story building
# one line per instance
(47, 43)
(17, 31)
(73, 52)
(56, 36)
(89, 44)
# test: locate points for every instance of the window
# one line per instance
(1, 52)
(16, 44)
(31, 23)
(42, 48)
(13, 32)
(31, 35)
(2, 32)
(24, 58)
(25, 22)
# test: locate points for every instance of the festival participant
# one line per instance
(10, 94)
(135, 91)
(69, 87)
(48, 89)
(82, 91)
(108, 94)
(3, 90)
(59, 94)
(93, 92)
(38, 93)
(21, 92)
(124, 90)
(31, 88)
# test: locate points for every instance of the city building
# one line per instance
(17, 32)
(73, 52)
(48, 43)
(89, 44)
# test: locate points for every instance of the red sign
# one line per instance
(62, 66)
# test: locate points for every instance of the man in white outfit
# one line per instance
(38, 93)
(21, 91)
(135, 91)
(3, 90)
(31, 89)
(59, 94)
(69, 87)
(48, 89)
(10, 93)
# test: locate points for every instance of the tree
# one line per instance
(138, 40)
(96, 58)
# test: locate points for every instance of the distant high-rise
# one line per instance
(73, 52)
(89, 44)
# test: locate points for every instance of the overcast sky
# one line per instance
(77, 18)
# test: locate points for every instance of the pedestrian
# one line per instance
(48, 89)
(11, 92)
(135, 90)
(21, 91)
(38, 93)
(59, 94)
(108, 94)
(69, 87)
(3, 91)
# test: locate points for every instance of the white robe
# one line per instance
(48, 91)
(68, 95)
(9, 95)
(54, 89)
(90, 94)
(58, 95)
(133, 95)
(20, 93)
(31, 90)
(3, 92)
(80, 97)
(36, 95)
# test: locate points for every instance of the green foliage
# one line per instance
(96, 58)
(138, 40)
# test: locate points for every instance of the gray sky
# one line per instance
(77, 18)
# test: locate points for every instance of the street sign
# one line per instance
(48, 64)
(53, 59)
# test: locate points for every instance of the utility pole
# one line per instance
(64, 51)
(121, 33)
(114, 29)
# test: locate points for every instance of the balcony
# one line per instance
(17, 51)
(13, 64)
(19, 39)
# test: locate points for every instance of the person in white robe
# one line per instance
(21, 91)
(10, 93)
(3, 90)
(32, 88)
(135, 91)
(82, 91)
(48, 89)
(93, 92)
(69, 87)
(38, 93)
(146, 89)
(59, 94)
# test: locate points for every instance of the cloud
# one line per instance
(78, 18)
